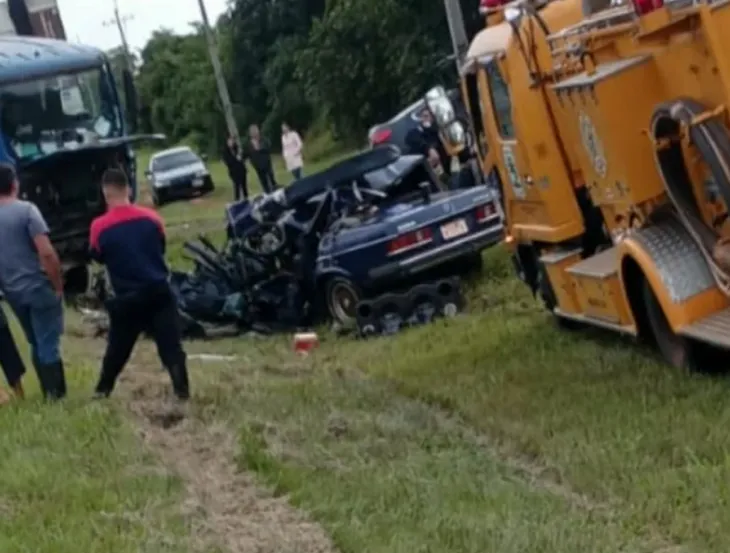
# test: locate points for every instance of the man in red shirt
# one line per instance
(130, 241)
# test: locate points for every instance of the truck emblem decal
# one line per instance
(592, 145)
(511, 165)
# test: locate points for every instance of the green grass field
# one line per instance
(492, 432)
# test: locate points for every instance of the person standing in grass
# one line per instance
(32, 282)
(130, 241)
(291, 147)
(233, 159)
(10, 360)
(259, 154)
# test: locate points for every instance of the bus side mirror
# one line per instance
(130, 97)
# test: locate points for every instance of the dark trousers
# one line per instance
(266, 179)
(154, 312)
(10, 359)
(240, 187)
(297, 173)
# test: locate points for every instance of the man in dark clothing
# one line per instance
(10, 360)
(259, 153)
(233, 158)
(425, 140)
(130, 241)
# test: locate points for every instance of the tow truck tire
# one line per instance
(677, 351)
(341, 296)
(550, 301)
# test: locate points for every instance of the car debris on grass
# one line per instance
(371, 243)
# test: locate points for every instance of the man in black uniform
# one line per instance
(130, 241)
(424, 140)
(235, 163)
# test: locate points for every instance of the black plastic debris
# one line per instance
(390, 313)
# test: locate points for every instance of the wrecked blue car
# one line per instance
(371, 226)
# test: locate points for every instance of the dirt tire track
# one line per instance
(224, 506)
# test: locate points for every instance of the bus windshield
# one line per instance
(43, 116)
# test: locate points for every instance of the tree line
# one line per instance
(328, 67)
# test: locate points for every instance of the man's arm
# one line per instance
(38, 231)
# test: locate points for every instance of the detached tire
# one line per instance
(341, 296)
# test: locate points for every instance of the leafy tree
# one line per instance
(342, 64)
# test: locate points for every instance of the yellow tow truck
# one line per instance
(608, 127)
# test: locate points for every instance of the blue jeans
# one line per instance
(41, 317)
(297, 173)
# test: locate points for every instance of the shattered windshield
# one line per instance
(174, 160)
(45, 115)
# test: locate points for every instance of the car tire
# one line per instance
(157, 199)
(341, 297)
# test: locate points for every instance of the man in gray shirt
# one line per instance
(31, 279)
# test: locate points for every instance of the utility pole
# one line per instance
(457, 30)
(119, 22)
(218, 71)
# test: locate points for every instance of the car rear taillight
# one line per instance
(409, 241)
(486, 211)
(643, 7)
(380, 136)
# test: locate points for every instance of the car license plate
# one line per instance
(198, 182)
(454, 229)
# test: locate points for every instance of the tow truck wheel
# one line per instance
(550, 301)
(676, 350)
(342, 296)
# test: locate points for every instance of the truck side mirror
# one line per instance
(130, 97)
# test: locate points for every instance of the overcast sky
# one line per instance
(84, 19)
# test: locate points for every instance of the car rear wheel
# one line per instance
(342, 296)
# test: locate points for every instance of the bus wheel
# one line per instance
(675, 349)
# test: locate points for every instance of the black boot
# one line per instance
(53, 380)
(179, 376)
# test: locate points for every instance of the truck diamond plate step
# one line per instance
(601, 265)
(714, 329)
